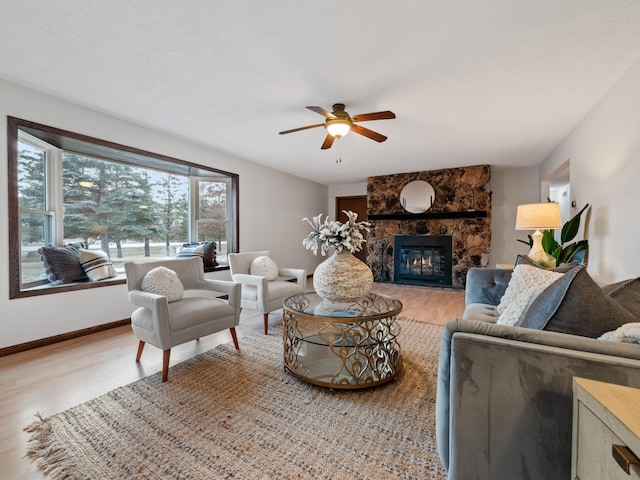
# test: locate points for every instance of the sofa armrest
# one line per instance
(504, 397)
(159, 308)
(486, 285)
(299, 274)
(149, 300)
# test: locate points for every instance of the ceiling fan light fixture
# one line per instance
(338, 127)
(338, 123)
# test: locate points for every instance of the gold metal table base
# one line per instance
(343, 347)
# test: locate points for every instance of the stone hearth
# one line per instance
(461, 208)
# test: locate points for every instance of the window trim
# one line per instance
(14, 125)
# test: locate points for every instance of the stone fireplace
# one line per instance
(422, 259)
(461, 210)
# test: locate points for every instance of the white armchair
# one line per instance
(260, 294)
(199, 313)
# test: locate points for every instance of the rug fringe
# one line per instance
(50, 457)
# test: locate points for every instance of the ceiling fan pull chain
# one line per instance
(339, 151)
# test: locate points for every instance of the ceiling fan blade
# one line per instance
(363, 117)
(302, 128)
(328, 141)
(322, 112)
(368, 133)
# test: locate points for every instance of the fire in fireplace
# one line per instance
(422, 259)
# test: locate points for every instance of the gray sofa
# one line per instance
(504, 398)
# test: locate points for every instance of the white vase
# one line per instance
(342, 278)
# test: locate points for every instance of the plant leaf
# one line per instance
(549, 243)
(569, 252)
(570, 229)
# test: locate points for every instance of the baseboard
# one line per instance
(22, 347)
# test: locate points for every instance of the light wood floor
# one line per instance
(51, 379)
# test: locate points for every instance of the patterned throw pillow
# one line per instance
(206, 250)
(165, 282)
(96, 264)
(265, 267)
(191, 251)
(527, 282)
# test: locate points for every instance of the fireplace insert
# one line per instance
(423, 259)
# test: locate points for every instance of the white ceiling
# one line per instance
(471, 82)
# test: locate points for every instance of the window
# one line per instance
(212, 221)
(67, 188)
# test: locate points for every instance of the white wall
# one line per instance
(510, 187)
(272, 205)
(604, 150)
(347, 190)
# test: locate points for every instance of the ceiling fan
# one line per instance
(338, 123)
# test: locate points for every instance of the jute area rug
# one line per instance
(239, 414)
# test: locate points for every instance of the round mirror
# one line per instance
(417, 196)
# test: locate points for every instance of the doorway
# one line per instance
(357, 204)
(557, 187)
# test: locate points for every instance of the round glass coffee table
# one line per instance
(342, 345)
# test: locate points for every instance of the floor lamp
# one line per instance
(539, 216)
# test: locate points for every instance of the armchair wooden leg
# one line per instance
(235, 337)
(165, 364)
(140, 348)
(266, 323)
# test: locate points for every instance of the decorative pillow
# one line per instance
(96, 264)
(191, 251)
(210, 255)
(526, 283)
(206, 250)
(62, 264)
(265, 267)
(575, 304)
(629, 332)
(627, 294)
(165, 282)
(564, 268)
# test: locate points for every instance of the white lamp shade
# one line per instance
(534, 216)
(338, 127)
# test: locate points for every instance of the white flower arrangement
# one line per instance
(341, 236)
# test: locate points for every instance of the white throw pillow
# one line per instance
(526, 283)
(265, 267)
(96, 264)
(165, 282)
(629, 333)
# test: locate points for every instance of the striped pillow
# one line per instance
(195, 251)
(96, 264)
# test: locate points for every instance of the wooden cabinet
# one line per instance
(606, 431)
